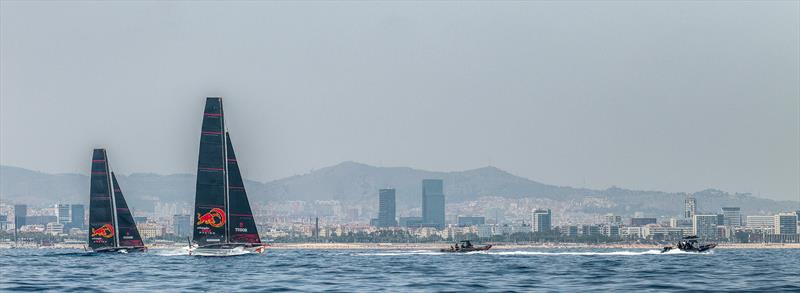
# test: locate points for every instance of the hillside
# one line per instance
(355, 182)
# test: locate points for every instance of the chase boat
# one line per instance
(690, 244)
(466, 246)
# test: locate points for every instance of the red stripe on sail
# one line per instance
(210, 169)
(97, 161)
(213, 114)
(211, 132)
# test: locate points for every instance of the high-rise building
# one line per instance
(541, 220)
(386, 208)
(732, 216)
(20, 214)
(689, 207)
(705, 226)
(786, 224)
(63, 214)
(182, 225)
(78, 215)
(433, 203)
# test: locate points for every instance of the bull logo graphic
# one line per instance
(106, 231)
(214, 218)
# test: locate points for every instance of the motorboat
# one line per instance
(466, 246)
(690, 244)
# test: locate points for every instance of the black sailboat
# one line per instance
(224, 223)
(111, 225)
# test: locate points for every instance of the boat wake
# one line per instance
(530, 253)
(170, 251)
(600, 253)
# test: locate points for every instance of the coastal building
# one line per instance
(150, 230)
(541, 221)
(77, 216)
(570, 231)
(761, 222)
(732, 216)
(433, 203)
(3, 222)
(705, 226)
(471, 221)
(590, 230)
(54, 228)
(386, 208)
(63, 214)
(182, 225)
(613, 219)
(675, 223)
(20, 215)
(639, 222)
(786, 224)
(689, 207)
(611, 231)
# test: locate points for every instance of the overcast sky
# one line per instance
(660, 96)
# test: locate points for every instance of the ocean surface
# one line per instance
(569, 270)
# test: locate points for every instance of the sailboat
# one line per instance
(111, 225)
(224, 223)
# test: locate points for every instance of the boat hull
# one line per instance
(701, 248)
(121, 249)
(228, 250)
(479, 248)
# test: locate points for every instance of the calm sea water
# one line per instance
(769, 270)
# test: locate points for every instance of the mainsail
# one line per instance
(222, 211)
(127, 232)
(109, 216)
(101, 214)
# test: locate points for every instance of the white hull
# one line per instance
(241, 250)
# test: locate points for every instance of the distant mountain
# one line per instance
(352, 182)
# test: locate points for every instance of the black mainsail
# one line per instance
(101, 214)
(222, 211)
(109, 216)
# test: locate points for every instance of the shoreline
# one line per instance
(437, 246)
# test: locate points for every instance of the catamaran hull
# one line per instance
(228, 251)
(123, 249)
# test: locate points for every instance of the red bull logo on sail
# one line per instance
(105, 231)
(214, 218)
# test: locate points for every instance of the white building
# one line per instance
(761, 222)
(705, 226)
(54, 228)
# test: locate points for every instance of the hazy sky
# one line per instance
(661, 96)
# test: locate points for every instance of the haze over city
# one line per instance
(652, 96)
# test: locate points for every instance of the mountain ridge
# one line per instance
(354, 182)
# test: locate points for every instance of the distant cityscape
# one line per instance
(332, 221)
